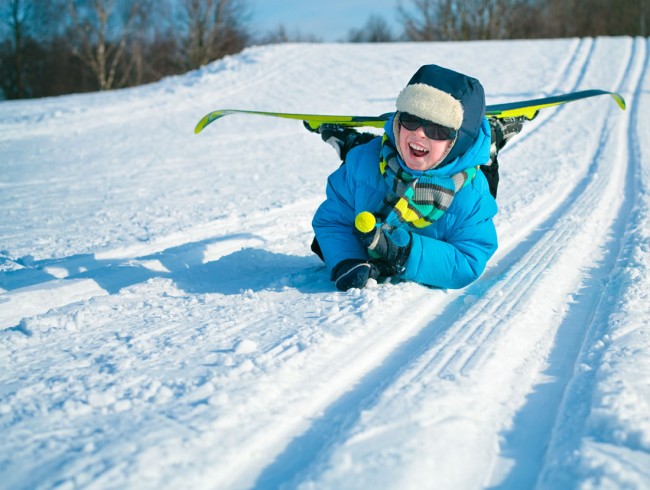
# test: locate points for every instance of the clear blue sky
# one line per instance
(328, 20)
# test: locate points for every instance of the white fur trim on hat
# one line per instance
(430, 103)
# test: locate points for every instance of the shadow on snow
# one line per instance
(244, 269)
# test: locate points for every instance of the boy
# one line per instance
(413, 203)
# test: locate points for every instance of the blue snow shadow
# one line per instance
(256, 270)
(253, 269)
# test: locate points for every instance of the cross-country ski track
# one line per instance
(164, 324)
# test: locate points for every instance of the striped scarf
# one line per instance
(417, 201)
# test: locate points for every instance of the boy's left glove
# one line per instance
(389, 247)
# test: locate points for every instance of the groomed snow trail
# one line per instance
(166, 327)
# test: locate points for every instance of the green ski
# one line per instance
(526, 108)
(314, 120)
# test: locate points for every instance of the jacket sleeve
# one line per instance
(333, 222)
(459, 256)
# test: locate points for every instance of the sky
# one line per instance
(327, 20)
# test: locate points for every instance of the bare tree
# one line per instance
(376, 30)
(16, 17)
(213, 29)
(281, 35)
(421, 21)
(597, 17)
(98, 46)
(453, 20)
(25, 27)
(53, 47)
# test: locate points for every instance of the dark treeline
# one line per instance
(53, 47)
(427, 20)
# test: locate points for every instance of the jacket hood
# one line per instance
(449, 98)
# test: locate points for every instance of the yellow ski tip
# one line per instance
(619, 100)
(205, 120)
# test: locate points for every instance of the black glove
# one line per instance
(502, 130)
(392, 252)
(389, 247)
(353, 273)
(341, 138)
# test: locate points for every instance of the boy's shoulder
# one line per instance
(362, 161)
(362, 153)
(473, 197)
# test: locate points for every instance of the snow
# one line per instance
(163, 323)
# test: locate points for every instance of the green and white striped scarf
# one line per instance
(418, 201)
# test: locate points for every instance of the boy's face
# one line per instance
(419, 152)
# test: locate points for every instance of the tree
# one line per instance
(452, 20)
(53, 47)
(597, 17)
(432, 20)
(18, 17)
(280, 35)
(376, 30)
(101, 38)
(213, 29)
(25, 28)
(420, 23)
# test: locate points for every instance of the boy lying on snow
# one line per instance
(413, 204)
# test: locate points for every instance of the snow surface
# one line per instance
(163, 323)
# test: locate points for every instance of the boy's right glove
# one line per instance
(502, 130)
(389, 247)
(353, 273)
(341, 138)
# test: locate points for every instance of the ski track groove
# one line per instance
(528, 224)
(583, 50)
(569, 423)
(571, 60)
(584, 53)
(590, 193)
(584, 311)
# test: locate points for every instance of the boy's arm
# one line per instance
(460, 258)
(333, 221)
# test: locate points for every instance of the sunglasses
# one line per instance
(432, 130)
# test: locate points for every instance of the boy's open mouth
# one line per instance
(417, 150)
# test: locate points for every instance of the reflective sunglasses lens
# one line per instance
(410, 125)
(432, 130)
(438, 132)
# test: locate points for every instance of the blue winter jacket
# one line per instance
(450, 253)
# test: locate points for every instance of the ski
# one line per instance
(314, 120)
(530, 108)
(526, 108)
